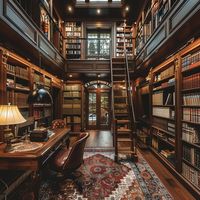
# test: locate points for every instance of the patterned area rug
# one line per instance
(103, 179)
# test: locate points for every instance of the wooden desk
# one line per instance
(33, 160)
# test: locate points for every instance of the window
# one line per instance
(98, 44)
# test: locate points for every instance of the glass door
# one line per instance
(98, 109)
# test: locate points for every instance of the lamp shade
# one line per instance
(10, 115)
(41, 96)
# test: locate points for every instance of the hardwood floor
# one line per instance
(177, 190)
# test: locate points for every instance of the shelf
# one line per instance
(193, 123)
(163, 88)
(191, 106)
(192, 67)
(190, 164)
(164, 140)
(171, 106)
(163, 158)
(164, 118)
(191, 90)
(72, 97)
(40, 118)
(167, 132)
(192, 144)
(18, 89)
(163, 80)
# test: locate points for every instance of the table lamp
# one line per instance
(9, 115)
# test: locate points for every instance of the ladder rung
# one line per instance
(123, 130)
(124, 140)
(123, 121)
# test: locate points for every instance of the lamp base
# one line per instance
(8, 135)
(8, 147)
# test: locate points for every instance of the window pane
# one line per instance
(92, 44)
(104, 44)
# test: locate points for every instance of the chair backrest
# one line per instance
(57, 123)
(75, 158)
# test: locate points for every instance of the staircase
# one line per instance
(122, 110)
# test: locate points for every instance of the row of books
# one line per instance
(76, 87)
(38, 78)
(72, 94)
(171, 127)
(168, 153)
(190, 59)
(71, 105)
(38, 113)
(73, 46)
(192, 155)
(191, 174)
(124, 35)
(72, 101)
(191, 114)
(20, 71)
(71, 111)
(70, 40)
(164, 112)
(76, 52)
(126, 41)
(154, 143)
(190, 134)
(72, 29)
(73, 34)
(72, 119)
(191, 99)
(192, 81)
(161, 98)
(164, 74)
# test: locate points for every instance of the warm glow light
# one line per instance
(127, 8)
(99, 75)
(98, 11)
(69, 8)
(70, 75)
(9, 115)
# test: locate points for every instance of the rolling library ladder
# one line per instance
(122, 110)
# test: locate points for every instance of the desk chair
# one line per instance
(66, 161)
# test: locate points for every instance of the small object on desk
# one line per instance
(39, 135)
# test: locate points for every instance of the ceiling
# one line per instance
(109, 11)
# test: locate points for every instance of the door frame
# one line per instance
(98, 92)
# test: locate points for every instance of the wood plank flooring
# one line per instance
(177, 190)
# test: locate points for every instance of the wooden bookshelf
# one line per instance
(189, 118)
(174, 127)
(124, 34)
(19, 78)
(72, 105)
(73, 34)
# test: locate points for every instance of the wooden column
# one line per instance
(3, 78)
(178, 114)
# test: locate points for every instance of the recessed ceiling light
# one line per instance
(99, 75)
(127, 8)
(98, 11)
(70, 75)
(69, 8)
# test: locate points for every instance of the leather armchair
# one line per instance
(67, 160)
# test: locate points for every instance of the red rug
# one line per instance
(101, 176)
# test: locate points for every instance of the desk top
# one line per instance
(37, 153)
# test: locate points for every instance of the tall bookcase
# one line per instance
(163, 112)
(73, 104)
(73, 33)
(190, 113)
(143, 101)
(124, 34)
(175, 114)
(19, 78)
